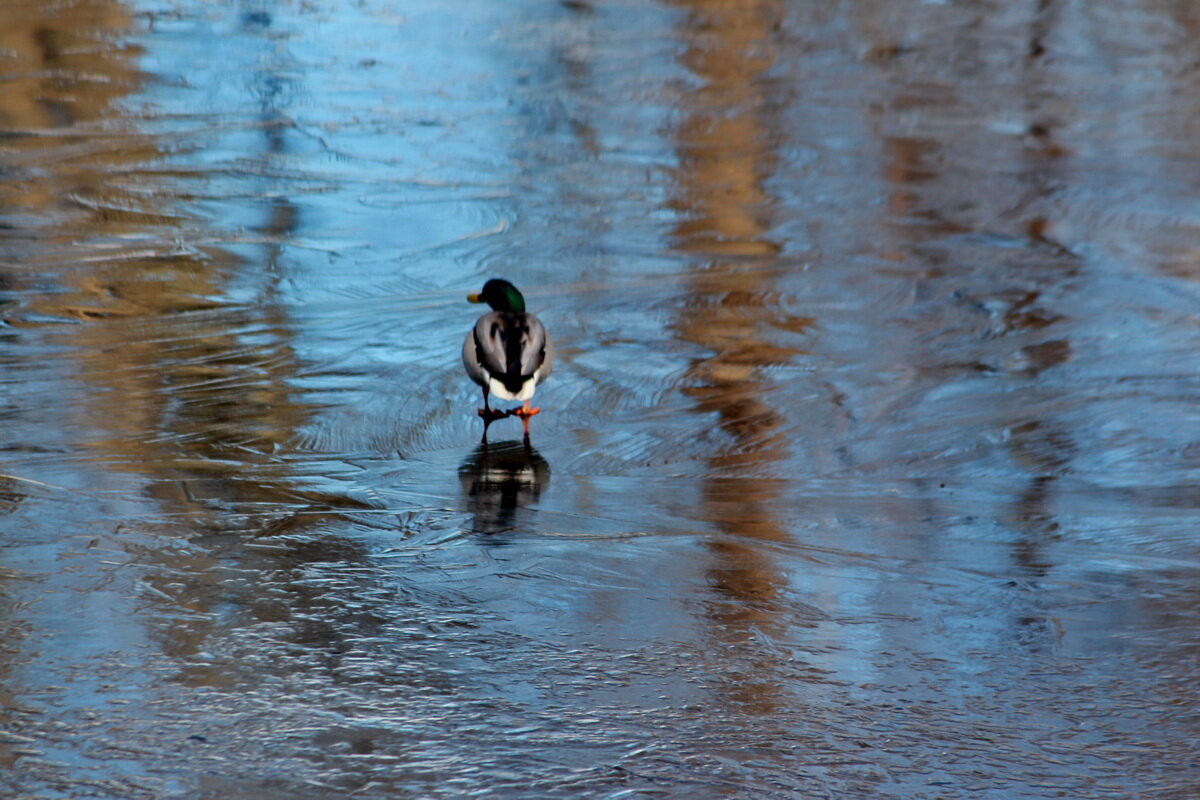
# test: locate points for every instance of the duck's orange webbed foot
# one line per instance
(490, 415)
(525, 412)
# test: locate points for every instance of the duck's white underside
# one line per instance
(496, 388)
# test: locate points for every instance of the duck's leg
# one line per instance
(525, 412)
(489, 414)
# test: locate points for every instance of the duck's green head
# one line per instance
(501, 296)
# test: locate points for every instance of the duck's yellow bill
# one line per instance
(474, 298)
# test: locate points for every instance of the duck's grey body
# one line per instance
(508, 354)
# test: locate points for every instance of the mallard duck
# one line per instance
(507, 352)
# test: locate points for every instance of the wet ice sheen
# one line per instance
(867, 469)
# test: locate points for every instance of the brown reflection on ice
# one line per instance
(61, 76)
(60, 70)
(1043, 447)
(725, 142)
(180, 389)
(933, 208)
(1045, 450)
(194, 396)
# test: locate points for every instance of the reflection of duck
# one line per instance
(499, 481)
(507, 352)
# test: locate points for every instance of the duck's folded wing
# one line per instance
(535, 349)
(544, 349)
(512, 345)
